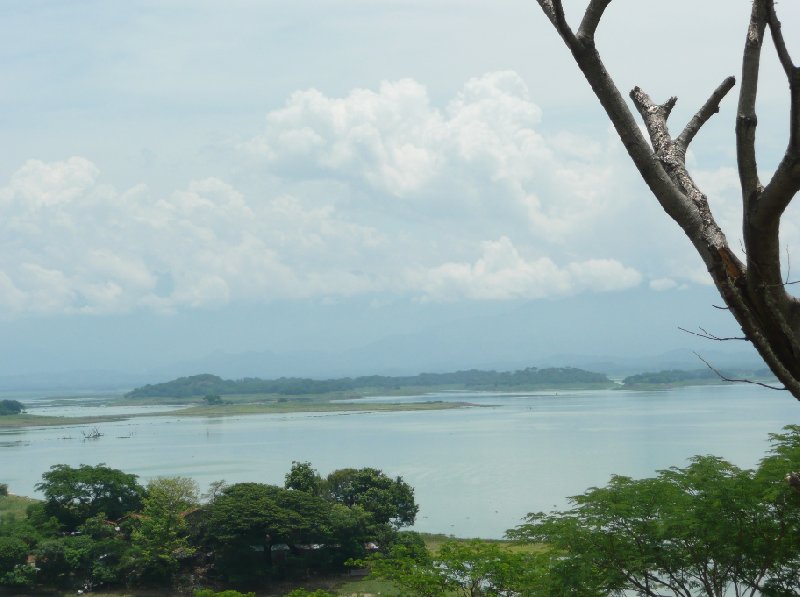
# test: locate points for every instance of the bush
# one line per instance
(11, 407)
(3, 488)
(226, 593)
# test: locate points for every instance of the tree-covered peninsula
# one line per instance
(669, 378)
(473, 379)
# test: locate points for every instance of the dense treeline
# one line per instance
(694, 376)
(97, 526)
(531, 377)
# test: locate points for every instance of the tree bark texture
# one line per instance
(754, 291)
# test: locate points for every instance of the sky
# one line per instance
(346, 185)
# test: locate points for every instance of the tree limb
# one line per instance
(750, 381)
(709, 336)
(746, 120)
(777, 39)
(710, 108)
(591, 19)
(785, 183)
(555, 12)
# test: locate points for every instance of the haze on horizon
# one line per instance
(352, 187)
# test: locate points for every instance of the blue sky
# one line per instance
(418, 161)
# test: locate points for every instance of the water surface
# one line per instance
(476, 471)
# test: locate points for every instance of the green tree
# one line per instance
(95, 555)
(11, 407)
(303, 477)
(703, 529)
(160, 537)
(13, 552)
(75, 494)
(213, 399)
(389, 501)
(472, 568)
(247, 519)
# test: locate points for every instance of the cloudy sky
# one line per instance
(187, 178)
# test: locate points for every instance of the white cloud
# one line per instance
(378, 191)
(662, 284)
(68, 243)
(481, 152)
(501, 273)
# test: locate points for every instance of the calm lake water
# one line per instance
(476, 471)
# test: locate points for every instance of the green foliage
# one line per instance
(206, 384)
(389, 501)
(13, 551)
(76, 494)
(303, 477)
(226, 593)
(3, 489)
(96, 554)
(470, 568)
(247, 519)
(699, 530)
(306, 593)
(161, 535)
(11, 407)
(213, 399)
(668, 377)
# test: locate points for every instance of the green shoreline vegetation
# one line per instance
(676, 378)
(208, 395)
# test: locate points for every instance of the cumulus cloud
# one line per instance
(501, 273)
(376, 192)
(481, 152)
(71, 244)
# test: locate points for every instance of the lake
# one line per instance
(476, 471)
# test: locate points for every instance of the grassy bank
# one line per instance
(25, 420)
(234, 407)
(14, 505)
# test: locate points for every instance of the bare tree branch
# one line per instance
(555, 12)
(777, 39)
(785, 182)
(746, 120)
(591, 19)
(655, 119)
(788, 265)
(709, 336)
(750, 381)
(710, 108)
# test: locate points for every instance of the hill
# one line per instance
(473, 379)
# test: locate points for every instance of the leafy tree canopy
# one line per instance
(704, 529)
(389, 501)
(303, 477)
(74, 494)
(11, 407)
